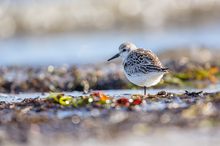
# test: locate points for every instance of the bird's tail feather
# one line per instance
(166, 69)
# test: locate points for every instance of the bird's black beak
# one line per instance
(117, 55)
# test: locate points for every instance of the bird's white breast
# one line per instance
(147, 80)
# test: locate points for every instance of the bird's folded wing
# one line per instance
(142, 62)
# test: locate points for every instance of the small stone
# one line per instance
(162, 93)
(76, 119)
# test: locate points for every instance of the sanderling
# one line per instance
(141, 67)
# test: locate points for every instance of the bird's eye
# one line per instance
(124, 50)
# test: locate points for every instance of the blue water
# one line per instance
(83, 48)
(115, 93)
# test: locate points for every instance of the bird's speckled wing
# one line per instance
(142, 61)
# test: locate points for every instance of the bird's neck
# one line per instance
(125, 56)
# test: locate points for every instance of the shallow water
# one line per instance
(83, 48)
(115, 93)
(159, 105)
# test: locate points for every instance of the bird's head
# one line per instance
(124, 50)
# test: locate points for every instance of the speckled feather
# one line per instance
(142, 61)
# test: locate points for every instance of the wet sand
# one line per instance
(172, 117)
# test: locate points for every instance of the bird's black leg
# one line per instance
(145, 88)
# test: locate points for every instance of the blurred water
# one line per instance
(115, 93)
(83, 48)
